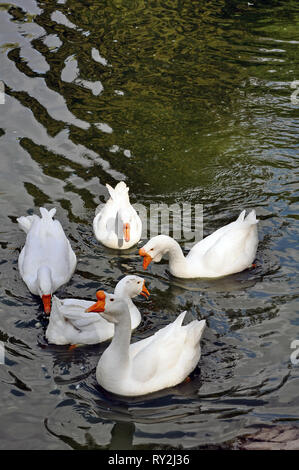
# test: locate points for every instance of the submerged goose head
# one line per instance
(125, 220)
(117, 224)
(45, 286)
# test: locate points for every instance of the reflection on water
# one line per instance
(188, 102)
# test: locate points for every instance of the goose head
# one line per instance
(154, 249)
(131, 286)
(110, 306)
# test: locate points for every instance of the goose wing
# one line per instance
(159, 352)
(235, 248)
(73, 310)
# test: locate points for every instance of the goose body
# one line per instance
(117, 224)
(47, 260)
(70, 323)
(160, 361)
(228, 250)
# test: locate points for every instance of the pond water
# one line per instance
(186, 102)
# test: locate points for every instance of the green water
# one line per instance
(186, 102)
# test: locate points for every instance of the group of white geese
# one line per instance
(161, 360)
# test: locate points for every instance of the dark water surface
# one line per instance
(188, 102)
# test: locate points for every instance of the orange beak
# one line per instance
(144, 291)
(99, 306)
(146, 258)
(127, 232)
(47, 303)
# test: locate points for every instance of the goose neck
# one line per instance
(177, 260)
(119, 347)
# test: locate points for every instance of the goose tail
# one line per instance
(241, 216)
(195, 331)
(251, 218)
(47, 215)
(120, 191)
(56, 307)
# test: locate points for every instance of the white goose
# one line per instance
(228, 250)
(47, 260)
(117, 224)
(160, 361)
(70, 323)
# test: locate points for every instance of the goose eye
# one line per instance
(111, 300)
(151, 249)
(138, 282)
